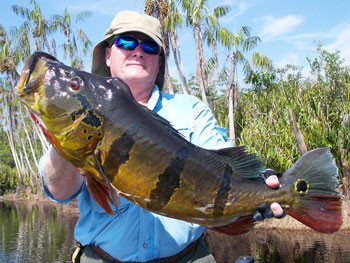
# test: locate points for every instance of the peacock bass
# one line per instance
(123, 148)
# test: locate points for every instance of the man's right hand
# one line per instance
(61, 178)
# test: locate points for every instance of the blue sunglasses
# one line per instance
(130, 43)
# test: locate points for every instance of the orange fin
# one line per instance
(99, 192)
(322, 213)
(241, 226)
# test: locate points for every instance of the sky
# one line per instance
(289, 30)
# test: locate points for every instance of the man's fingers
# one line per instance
(272, 182)
(277, 210)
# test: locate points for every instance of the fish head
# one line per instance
(64, 102)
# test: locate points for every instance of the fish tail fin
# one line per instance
(314, 178)
(100, 193)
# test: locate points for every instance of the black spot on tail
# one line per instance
(225, 187)
(118, 154)
(168, 181)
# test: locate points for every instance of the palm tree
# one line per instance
(172, 20)
(37, 23)
(214, 34)
(70, 47)
(13, 51)
(199, 17)
(240, 43)
(159, 9)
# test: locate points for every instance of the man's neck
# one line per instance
(142, 95)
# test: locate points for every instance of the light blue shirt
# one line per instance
(135, 234)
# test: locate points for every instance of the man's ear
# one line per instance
(108, 56)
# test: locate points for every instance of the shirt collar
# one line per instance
(153, 100)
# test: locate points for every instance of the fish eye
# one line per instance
(74, 83)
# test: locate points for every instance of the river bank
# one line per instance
(287, 223)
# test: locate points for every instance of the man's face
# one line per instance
(135, 67)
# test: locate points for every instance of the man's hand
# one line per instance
(272, 182)
(274, 210)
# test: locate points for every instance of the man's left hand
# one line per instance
(272, 182)
(274, 210)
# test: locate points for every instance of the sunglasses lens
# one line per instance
(126, 42)
(151, 47)
(130, 43)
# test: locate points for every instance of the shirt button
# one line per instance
(145, 245)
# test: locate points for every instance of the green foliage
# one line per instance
(8, 175)
(320, 103)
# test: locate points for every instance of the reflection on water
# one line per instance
(267, 246)
(34, 233)
(38, 233)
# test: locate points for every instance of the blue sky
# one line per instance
(288, 29)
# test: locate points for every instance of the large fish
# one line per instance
(96, 124)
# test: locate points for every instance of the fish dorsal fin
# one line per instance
(122, 86)
(163, 122)
(247, 165)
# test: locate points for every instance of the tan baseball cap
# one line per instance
(128, 21)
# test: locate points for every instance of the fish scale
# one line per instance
(123, 148)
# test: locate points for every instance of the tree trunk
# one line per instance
(213, 70)
(297, 133)
(28, 138)
(231, 116)
(47, 44)
(200, 75)
(231, 94)
(178, 60)
(167, 79)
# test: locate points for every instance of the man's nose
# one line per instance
(138, 51)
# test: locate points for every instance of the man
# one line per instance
(132, 51)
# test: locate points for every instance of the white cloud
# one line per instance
(237, 9)
(274, 27)
(341, 43)
(290, 58)
(242, 7)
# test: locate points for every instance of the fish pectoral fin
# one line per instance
(99, 192)
(240, 226)
(113, 195)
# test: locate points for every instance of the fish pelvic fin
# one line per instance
(314, 179)
(241, 225)
(100, 193)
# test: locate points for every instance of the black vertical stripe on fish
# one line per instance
(225, 187)
(168, 181)
(118, 154)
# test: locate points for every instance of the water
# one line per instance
(301, 246)
(34, 233)
(41, 233)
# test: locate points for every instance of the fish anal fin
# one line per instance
(99, 192)
(240, 226)
(321, 213)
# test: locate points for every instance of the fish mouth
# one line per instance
(32, 78)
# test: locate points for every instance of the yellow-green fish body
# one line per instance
(92, 121)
